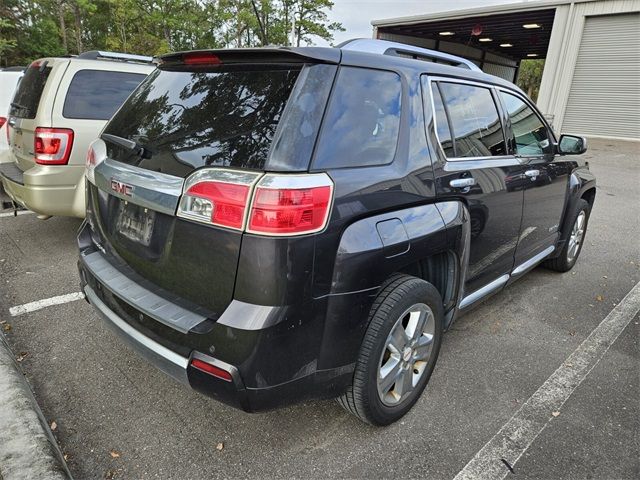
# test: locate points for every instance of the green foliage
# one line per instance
(530, 76)
(30, 29)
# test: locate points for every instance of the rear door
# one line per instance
(186, 118)
(544, 177)
(475, 166)
(31, 108)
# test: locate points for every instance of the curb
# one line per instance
(28, 449)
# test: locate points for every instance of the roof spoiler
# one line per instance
(384, 47)
(262, 55)
(114, 56)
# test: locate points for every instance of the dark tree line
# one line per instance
(36, 28)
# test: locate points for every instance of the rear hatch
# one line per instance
(24, 116)
(245, 112)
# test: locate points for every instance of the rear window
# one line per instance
(97, 94)
(25, 102)
(187, 120)
(363, 120)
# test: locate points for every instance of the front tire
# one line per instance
(574, 239)
(398, 353)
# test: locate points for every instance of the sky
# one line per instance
(356, 15)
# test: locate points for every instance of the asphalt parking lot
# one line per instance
(117, 417)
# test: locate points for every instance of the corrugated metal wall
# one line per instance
(604, 98)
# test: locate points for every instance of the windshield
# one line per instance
(185, 120)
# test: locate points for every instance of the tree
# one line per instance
(36, 28)
(530, 76)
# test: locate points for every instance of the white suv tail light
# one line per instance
(52, 146)
(271, 204)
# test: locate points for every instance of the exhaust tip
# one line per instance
(43, 217)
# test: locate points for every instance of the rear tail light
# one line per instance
(217, 197)
(95, 156)
(3, 120)
(268, 204)
(288, 206)
(52, 146)
(211, 369)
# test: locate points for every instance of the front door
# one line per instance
(474, 165)
(544, 177)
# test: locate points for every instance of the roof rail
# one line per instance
(126, 57)
(384, 47)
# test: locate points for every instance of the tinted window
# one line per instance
(188, 120)
(96, 94)
(442, 125)
(362, 123)
(25, 103)
(529, 133)
(474, 120)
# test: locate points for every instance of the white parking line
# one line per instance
(47, 302)
(19, 212)
(496, 459)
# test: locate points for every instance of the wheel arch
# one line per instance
(428, 241)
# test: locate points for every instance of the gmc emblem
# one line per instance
(121, 188)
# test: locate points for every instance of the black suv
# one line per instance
(270, 225)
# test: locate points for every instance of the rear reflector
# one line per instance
(200, 58)
(52, 146)
(211, 370)
(289, 210)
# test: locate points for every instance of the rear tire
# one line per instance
(398, 353)
(573, 239)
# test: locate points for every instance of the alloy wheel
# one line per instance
(406, 354)
(576, 237)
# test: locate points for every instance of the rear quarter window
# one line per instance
(362, 121)
(27, 97)
(97, 94)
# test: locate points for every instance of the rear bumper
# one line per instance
(47, 190)
(255, 353)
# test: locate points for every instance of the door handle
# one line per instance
(462, 182)
(532, 174)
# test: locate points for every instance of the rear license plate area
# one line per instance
(135, 223)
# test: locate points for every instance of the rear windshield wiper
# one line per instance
(138, 149)
(18, 105)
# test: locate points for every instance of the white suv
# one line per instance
(59, 108)
(9, 78)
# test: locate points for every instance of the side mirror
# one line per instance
(572, 145)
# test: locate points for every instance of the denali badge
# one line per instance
(121, 188)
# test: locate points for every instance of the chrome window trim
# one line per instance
(489, 87)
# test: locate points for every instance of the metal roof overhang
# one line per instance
(501, 28)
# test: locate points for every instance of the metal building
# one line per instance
(591, 80)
